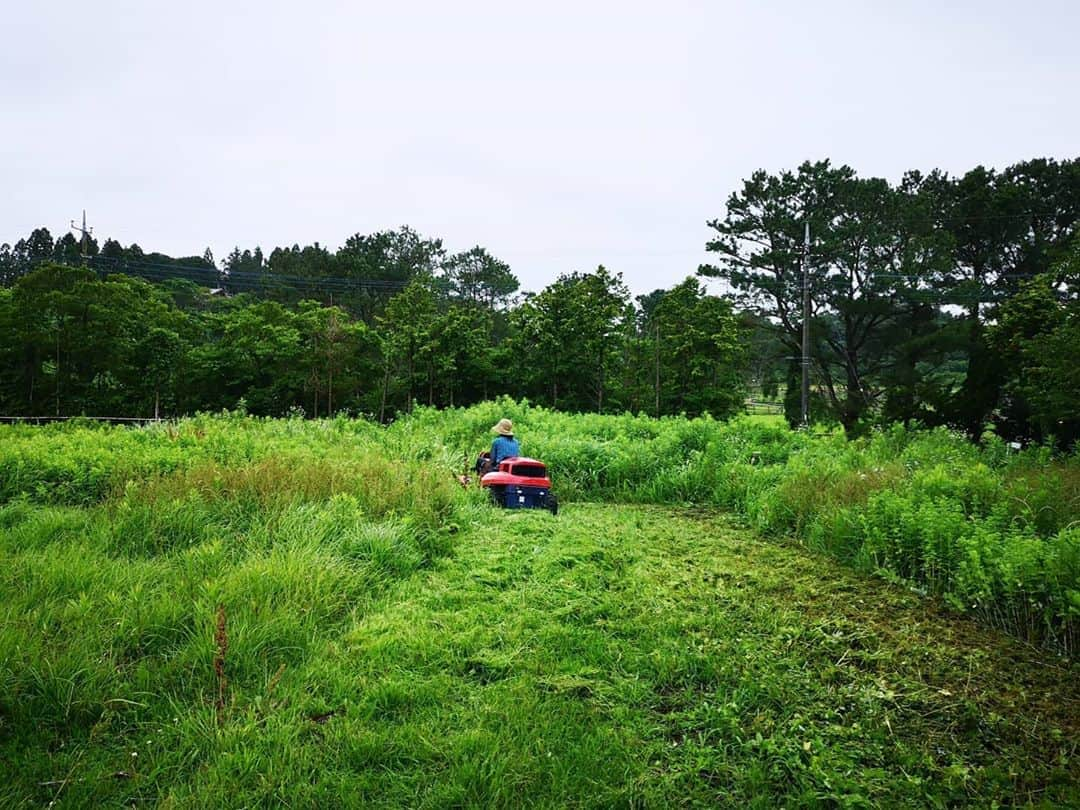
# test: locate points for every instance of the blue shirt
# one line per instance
(504, 447)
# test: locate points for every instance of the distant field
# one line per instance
(771, 419)
(236, 612)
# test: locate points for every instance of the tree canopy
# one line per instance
(935, 299)
(904, 279)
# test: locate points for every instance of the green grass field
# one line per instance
(245, 613)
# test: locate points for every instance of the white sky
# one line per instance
(559, 135)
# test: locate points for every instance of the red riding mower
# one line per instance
(518, 483)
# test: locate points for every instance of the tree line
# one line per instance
(386, 321)
(936, 300)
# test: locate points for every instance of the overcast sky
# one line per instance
(559, 136)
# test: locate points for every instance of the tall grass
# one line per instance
(120, 546)
(198, 609)
(993, 532)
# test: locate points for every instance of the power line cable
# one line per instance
(247, 280)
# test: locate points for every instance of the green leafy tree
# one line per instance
(1035, 339)
(341, 363)
(47, 313)
(79, 344)
(1005, 227)
(460, 360)
(698, 352)
(67, 250)
(10, 268)
(338, 358)
(25, 255)
(161, 352)
(406, 330)
(385, 261)
(251, 353)
(765, 356)
(477, 277)
(112, 250)
(399, 255)
(248, 261)
(872, 250)
(566, 338)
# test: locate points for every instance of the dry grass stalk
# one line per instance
(270, 687)
(221, 642)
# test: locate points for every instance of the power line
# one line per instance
(932, 220)
(250, 281)
(244, 280)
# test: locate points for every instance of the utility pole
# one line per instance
(85, 233)
(656, 349)
(806, 327)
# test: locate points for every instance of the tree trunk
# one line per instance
(57, 372)
(853, 401)
(657, 361)
(412, 370)
(32, 366)
(382, 403)
(981, 389)
(600, 389)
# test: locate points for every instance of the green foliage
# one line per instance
(925, 506)
(903, 281)
(928, 507)
(477, 277)
(870, 248)
(116, 346)
(392, 639)
(567, 336)
(920, 313)
(627, 656)
(698, 353)
(1036, 336)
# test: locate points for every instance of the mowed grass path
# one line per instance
(643, 657)
(622, 656)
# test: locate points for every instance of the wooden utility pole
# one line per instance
(806, 327)
(656, 351)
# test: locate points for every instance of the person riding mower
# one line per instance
(513, 481)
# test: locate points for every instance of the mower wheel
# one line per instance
(553, 504)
